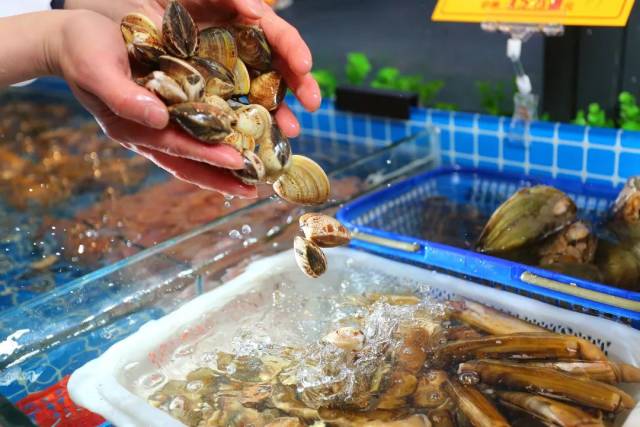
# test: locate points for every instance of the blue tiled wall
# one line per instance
(495, 143)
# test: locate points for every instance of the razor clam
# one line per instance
(252, 45)
(519, 346)
(241, 78)
(179, 32)
(203, 121)
(429, 391)
(275, 152)
(218, 79)
(573, 244)
(529, 215)
(598, 370)
(303, 183)
(549, 411)
(309, 257)
(489, 320)
(192, 82)
(342, 418)
(475, 406)
(253, 171)
(217, 43)
(253, 120)
(549, 382)
(268, 90)
(324, 230)
(416, 420)
(164, 87)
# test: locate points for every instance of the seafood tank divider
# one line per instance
(50, 336)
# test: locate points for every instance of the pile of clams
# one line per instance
(399, 362)
(540, 226)
(202, 76)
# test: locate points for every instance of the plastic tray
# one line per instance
(389, 222)
(105, 385)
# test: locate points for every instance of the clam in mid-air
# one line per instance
(320, 231)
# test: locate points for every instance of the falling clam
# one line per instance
(309, 257)
(303, 183)
(323, 230)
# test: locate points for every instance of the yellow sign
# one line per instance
(609, 13)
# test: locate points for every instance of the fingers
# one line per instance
(252, 9)
(304, 87)
(287, 121)
(287, 42)
(173, 142)
(200, 174)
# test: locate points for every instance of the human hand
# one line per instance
(89, 53)
(292, 57)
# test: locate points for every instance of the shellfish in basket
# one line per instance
(201, 74)
(398, 365)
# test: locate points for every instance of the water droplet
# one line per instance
(246, 229)
(231, 368)
(388, 161)
(434, 396)
(235, 234)
(227, 204)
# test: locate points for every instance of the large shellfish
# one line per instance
(303, 183)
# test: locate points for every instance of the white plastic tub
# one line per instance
(111, 385)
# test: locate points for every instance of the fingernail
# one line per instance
(310, 97)
(155, 116)
(290, 129)
(256, 7)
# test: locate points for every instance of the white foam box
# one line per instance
(111, 384)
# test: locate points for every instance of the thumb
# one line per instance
(125, 98)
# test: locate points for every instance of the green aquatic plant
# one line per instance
(358, 68)
(629, 118)
(492, 98)
(390, 78)
(595, 116)
(327, 81)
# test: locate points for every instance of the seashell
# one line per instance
(530, 215)
(179, 32)
(347, 339)
(218, 79)
(203, 121)
(241, 78)
(268, 90)
(252, 45)
(240, 141)
(309, 257)
(253, 171)
(216, 101)
(275, 153)
(253, 120)
(304, 182)
(573, 244)
(217, 43)
(185, 74)
(164, 87)
(142, 38)
(324, 230)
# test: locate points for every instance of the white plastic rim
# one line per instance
(98, 385)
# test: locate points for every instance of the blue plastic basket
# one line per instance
(391, 223)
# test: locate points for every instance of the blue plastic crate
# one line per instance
(392, 222)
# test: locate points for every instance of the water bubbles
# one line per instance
(152, 380)
(235, 234)
(208, 358)
(388, 161)
(435, 396)
(250, 241)
(231, 368)
(246, 229)
(227, 200)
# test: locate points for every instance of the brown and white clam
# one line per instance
(203, 121)
(218, 79)
(252, 45)
(275, 153)
(142, 38)
(185, 74)
(241, 78)
(163, 86)
(305, 183)
(179, 32)
(268, 90)
(217, 43)
(253, 171)
(253, 120)
(324, 230)
(309, 257)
